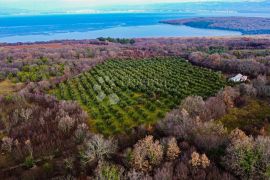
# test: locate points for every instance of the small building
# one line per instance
(239, 78)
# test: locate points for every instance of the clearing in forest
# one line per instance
(122, 94)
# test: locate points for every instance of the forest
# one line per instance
(259, 25)
(152, 109)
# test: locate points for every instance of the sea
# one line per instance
(32, 28)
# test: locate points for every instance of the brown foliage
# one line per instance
(147, 154)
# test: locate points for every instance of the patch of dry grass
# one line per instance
(7, 87)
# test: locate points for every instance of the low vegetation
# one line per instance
(135, 111)
(252, 117)
(120, 95)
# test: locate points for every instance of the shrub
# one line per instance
(98, 148)
(228, 95)
(194, 105)
(197, 57)
(209, 135)
(135, 175)
(109, 172)
(36, 117)
(198, 160)
(165, 172)
(29, 147)
(65, 124)
(80, 133)
(69, 164)
(172, 149)
(181, 171)
(262, 87)
(248, 157)
(195, 159)
(160, 114)
(147, 153)
(262, 145)
(178, 124)
(215, 108)
(48, 167)
(205, 162)
(7, 143)
(237, 135)
(247, 89)
(240, 158)
(29, 161)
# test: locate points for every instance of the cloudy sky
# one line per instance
(68, 4)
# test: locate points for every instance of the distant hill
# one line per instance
(246, 25)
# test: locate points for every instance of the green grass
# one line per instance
(142, 90)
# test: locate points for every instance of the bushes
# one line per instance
(97, 148)
(37, 118)
(135, 175)
(262, 145)
(210, 135)
(248, 157)
(172, 149)
(38, 72)
(117, 40)
(194, 105)
(164, 172)
(147, 154)
(81, 133)
(7, 144)
(29, 162)
(248, 67)
(249, 118)
(65, 124)
(109, 172)
(215, 108)
(262, 87)
(198, 160)
(178, 124)
(207, 135)
(248, 89)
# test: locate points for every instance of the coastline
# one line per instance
(233, 23)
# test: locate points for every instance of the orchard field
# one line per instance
(122, 94)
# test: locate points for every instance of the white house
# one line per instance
(239, 78)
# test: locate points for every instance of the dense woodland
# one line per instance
(56, 123)
(246, 25)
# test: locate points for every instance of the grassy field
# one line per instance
(122, 94)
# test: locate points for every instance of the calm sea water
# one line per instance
(89, 26)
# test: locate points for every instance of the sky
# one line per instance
(65, 3)
(45, 5)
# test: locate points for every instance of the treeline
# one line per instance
(117, 40)
(249, 56)
(220, 62)
(259, 25)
